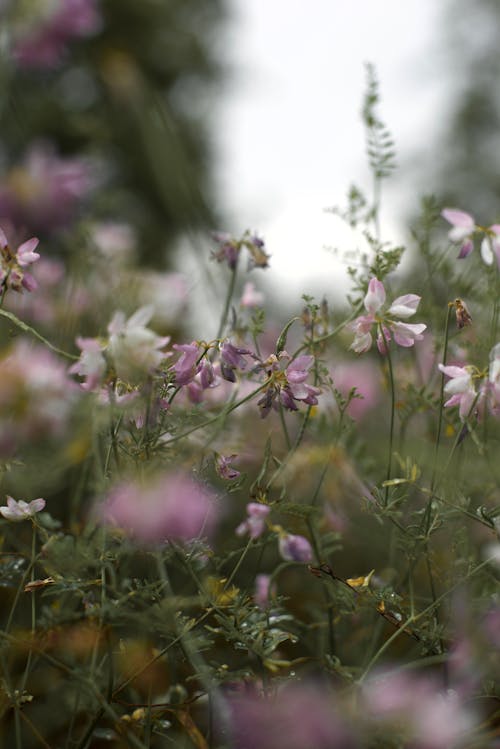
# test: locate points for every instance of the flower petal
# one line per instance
(458, 218)
(405, 306)
(486, 251)
(375, 296)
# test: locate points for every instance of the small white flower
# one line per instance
(17, 511)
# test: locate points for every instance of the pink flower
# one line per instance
(17, 511)
(464, 227)
(251, 297)
(224, 467)
(295, 548)
(255, 524)
(297, 717)
(43, 43)
(172, 506)
(263, 590)
(287, 382)
(134, 348)
(186, 367)
(91, 364)
(44, 192)
(461, 388)
(13, 263)
(405, 334)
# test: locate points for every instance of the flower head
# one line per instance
(405, 334)
(463, 229)
(17, 511)
(295, 548)
(13, 263)
(461, 388)
(255, 524)
(171, 506)
(287, 382)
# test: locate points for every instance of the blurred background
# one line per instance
(141, 127)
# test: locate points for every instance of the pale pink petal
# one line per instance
(405, 306)
(466, 402)
(26, 252)
(405, 334)
(450, 370)
(458, 218)
(36, 505)
(375, 296)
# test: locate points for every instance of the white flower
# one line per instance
(17, 511)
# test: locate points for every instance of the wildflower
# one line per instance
(297, 717)
(186, 367)
(45, 190)
(461, 388)
(224, 467)
(36, 397)
(91, 364)
(134, 348)
(17, 511)
(295, 548)
(171, 506)
(251, 297)
(405, 334)
(255, 524)
(464, 228)
(44, 42)
(230, 249)
(287, 382)
(13, 263)
(263, 590)
(231, 359)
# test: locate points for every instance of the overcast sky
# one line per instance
(289, 133)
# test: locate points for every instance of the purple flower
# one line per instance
(462, 232)
(45, 191)
(287, 383)
(231, 359)
(224, 467)
(17, 511)
(44, 42)
(263, 590)
(255, 524)
(172, 506)
(297, 717)
(186, 366)
(405, 334)
(230, 248)
(13, 263)
(295, 548)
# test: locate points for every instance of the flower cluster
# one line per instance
(386, 322)
(21, 510)
(229, 249)
(463, 229)
(287, 383)
(44, 40)
(13, 264)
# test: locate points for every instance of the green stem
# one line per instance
(393, 410)
(36, 334)
(441, 401)
(227, 304)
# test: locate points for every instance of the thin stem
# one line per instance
(441, 400)
(393, 409)
(227, 304)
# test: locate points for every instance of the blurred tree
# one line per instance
(467, 167)
(105, 105)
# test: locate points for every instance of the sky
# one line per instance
(288, 132)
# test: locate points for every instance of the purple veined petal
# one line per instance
(362, 343)
(458, 218)
(486, 251)
(405, 306)
(465, 249)
(405, 334)
(375, 296)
